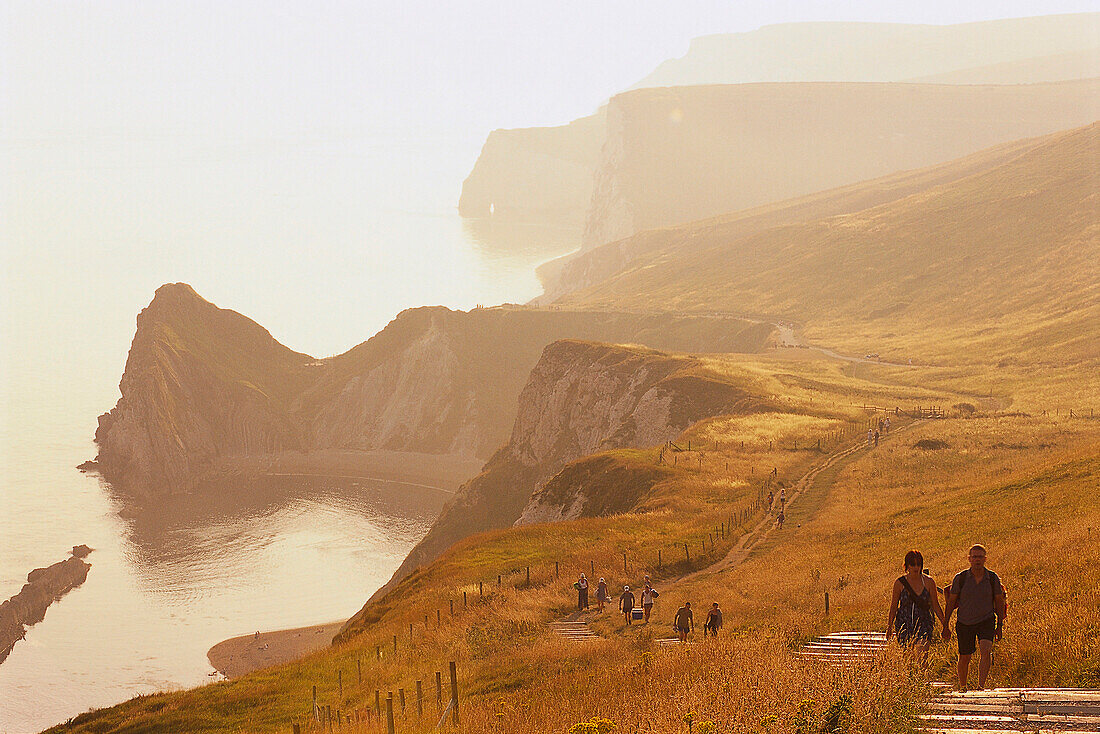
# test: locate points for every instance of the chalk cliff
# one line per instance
(680, 154)
(540, 174)
(548, 174)
(207, 391)
(581, 398)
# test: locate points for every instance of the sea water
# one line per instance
(320, 239)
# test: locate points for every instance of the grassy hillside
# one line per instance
(1002, 263)
(855, 524)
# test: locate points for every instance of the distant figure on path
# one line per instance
(649, 595)
(714, 621)
(876, 438)
(782, 498)
(980, 598)
(782, 517)
(886, 425)
(915, 598)
(684, 621)
(626, 604)
(870, 438)
(771, 498)
(582, 593)
(602, 597)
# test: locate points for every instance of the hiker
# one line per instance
(876, 438)
(886, 425)
(781, 518)
(626, 604)
(870, 437)
(602, 597)
(649, 594)
(582, 593)
(684, 622)
(714, 621)
(783, 498)
(980, 598)
(915, 598)
(771, 498)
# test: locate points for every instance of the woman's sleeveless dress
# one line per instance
(913, 624)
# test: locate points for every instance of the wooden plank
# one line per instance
(1061, 719)
(969, 717)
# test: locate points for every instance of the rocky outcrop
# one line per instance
(44, 586)
(675, 155)
(541, 174)
(581, 398)
(594, 486)
(207, 390)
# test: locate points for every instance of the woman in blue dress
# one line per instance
(915, 599)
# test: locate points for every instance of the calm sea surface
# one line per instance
(320, 240)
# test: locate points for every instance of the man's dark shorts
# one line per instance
(969, 634)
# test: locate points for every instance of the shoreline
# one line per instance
(238, 656)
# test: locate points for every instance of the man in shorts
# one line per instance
(684, 621)
(980, 598)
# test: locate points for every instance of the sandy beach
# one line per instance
(239, 656)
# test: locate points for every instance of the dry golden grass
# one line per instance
(1023, 485)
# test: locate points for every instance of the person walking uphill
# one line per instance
(714, 621)
(978, 595)
(582, 593)
(915, 599)
(602, 597)
(684, 621)
(626, 604)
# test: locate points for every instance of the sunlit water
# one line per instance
(322, 242)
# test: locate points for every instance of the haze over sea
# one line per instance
(321, 240)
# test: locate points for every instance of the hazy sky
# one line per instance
(229, 67)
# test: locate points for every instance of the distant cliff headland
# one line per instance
(44, 586)
(207, 391)
(745, 119)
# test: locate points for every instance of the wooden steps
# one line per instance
(843, 648)
(574, 630)
(1033, 710)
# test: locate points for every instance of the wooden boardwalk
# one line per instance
(1036, 710)
(842, 648)
(574, 630)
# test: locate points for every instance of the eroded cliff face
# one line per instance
(541, 174)
(207, 391)
(581, 398)
(680, 154)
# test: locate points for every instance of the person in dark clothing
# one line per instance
(915, 599)
(582, 593)
(979, 597)
(626, 604)
(714, 621)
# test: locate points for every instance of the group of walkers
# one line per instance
(640, 608)
(976, 593)
(873, 434)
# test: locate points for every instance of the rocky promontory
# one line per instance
(44, 586)
(207, 391)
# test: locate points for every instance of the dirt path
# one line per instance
(767, 525)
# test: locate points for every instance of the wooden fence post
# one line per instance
(401, 696)
(340, 681)
(389, 713)
(528, 575)
(658, 558)
(452, 603)
(826, 602)
(454, 694)
(395, 644)
(498, 579)
(314, 703)
(480, 590)
(463, 599)
(419, 699)
(438, 618)
(378, 703)
(439, 691)
(624, 562)
(687, 553)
